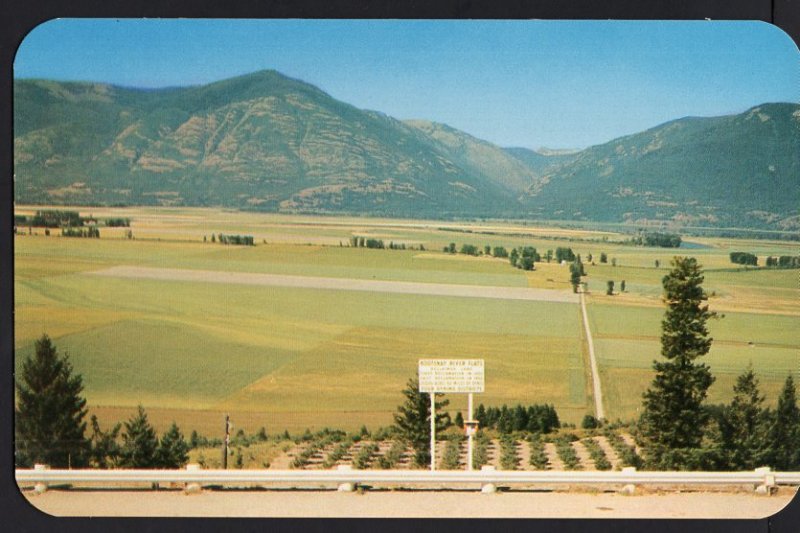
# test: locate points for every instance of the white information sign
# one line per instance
(451, 375)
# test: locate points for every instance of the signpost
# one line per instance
(451, 375)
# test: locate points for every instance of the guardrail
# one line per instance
(763, 479)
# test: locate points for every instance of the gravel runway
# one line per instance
(344, 284)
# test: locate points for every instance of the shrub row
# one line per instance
(336, 455)
(393, 455)
(480, 454)
(626, 453)
(508, 453)
(538, 456)
(452, 453)
(597, 453)
(567, 453)
(363, 459)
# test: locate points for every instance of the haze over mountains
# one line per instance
(267, 142)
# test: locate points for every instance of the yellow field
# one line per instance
(296, 358)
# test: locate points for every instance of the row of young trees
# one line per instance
(50, 426)
(534, 418)
(53, 218)
(783, 261)
(744, 258)
(91, 232)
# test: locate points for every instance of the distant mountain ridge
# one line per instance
(264, 141)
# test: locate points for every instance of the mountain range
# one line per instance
(267, 142)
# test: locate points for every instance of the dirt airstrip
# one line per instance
(347, 284)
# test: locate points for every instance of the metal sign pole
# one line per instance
(227, 441)
(469, 435)
(433, 431)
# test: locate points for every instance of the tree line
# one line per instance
(378, 244)
(534, 418)
(662, 240)
(91, 232)
(783, 261)
(54, 218)
(240, 240)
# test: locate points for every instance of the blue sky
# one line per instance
(559, 84)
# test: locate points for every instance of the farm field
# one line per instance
(295, 357)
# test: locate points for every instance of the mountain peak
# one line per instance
(269, 142)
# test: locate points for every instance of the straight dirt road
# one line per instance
(596, 390)
(344, 284)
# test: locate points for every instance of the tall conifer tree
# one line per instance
(743, 438)
(139, 442)
(672, 424)
(413, 421)
(783, 450)
(172, 450)
(50, 411)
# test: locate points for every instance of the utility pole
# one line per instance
(433, 431)
(227, 442)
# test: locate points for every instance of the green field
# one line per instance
(294, 358)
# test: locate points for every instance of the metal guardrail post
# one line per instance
(629, 488)
(488, 488)
(193, 487)
(345, 487)
(767, 487)
(41, 486)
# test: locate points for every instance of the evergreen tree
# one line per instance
(575, 275)
(459, 420)
(172, 450)
(49, 414)
(413, 421)
(519, 418)
(505, 423)
(783, 436)
(673, 420)
(743, 433)
(105, 450)
(480, 415)
(139, 442)
(589, 422)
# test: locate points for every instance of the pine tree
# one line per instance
(480, 415)
(105, 450)
(172, 450)
(575, 276)
(673, 421)
(139, 442)
(413, 421)
(49, 415)
(783, 450)
(743, 435)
